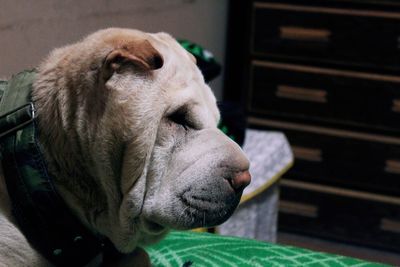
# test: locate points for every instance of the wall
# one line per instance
(30, 29)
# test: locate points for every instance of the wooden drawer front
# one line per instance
(341, 158)
(354, 216)
(327, 34)
(345, 97)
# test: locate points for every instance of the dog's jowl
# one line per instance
(107, 145)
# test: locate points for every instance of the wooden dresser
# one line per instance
(327, 74)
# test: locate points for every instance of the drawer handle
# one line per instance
(392, 166)
(304, 34)
(337, 191)
(390, 225)
(304, 94)
(396, 105)
(308, 154)
(305, 210)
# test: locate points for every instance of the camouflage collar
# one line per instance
(40, 212)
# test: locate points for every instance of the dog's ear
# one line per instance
(140, 54)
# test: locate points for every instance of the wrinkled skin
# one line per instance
(129, 131)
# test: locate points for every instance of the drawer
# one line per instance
(341, 158)
(335, 35)
(346, 215)
(322, 94)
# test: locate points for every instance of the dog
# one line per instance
(128, 131)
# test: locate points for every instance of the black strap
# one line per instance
(40, 212)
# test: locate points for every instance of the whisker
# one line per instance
(182, 215)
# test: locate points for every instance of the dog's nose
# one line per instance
(240, 180)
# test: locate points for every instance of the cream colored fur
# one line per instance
(121, 161)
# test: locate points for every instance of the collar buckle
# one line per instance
(16, 119)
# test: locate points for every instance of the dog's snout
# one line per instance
(240, 180)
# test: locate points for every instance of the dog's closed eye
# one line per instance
(182, 117)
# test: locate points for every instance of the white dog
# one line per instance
(128, 130)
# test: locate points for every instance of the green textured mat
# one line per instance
(201, 249)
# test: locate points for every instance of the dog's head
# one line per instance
(130, 116)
